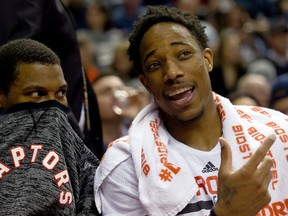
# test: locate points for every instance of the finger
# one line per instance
(226, 157)
(267, 179)
(264, 170)
(260, 153)
(265, 166)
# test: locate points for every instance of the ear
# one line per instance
(144, 81)
(208, 55)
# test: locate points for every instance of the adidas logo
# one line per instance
(209, 168)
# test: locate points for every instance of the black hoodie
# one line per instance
(45, 168)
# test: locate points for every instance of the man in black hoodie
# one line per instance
(45, 168)
(49, 22)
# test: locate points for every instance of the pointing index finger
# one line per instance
(260, 153)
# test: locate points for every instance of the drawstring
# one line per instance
(86, 102)
(35, 123)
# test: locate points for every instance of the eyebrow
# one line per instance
(179, 43)
(176, 43)
(148, 55)
(33, 87)
(64, 86)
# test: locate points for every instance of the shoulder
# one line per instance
(122, 178)
(117, 152)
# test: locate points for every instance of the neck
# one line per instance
(202, 133)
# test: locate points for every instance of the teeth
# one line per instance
(178, 91)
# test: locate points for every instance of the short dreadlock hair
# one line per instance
(157, 14)
(21, 51)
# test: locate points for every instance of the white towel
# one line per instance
(237, 121)
(165, 187)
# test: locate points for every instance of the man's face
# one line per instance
(104, 89)
(176, 71)
(36, 83)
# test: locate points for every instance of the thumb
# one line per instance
(226, 157)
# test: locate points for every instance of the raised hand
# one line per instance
(244, 191)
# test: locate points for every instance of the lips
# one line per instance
(180, 94)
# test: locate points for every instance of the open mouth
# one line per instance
(180, 93)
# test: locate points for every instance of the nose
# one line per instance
(51, 96)
(172, 71)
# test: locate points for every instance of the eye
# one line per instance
(153, 66)
(185, 55)
(37, 94)
(62, 93)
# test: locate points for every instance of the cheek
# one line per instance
(154, 89)
(103, 103)
(14, 98)
(65, 102)
(154, 82)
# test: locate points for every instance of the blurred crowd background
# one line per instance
(249, 40)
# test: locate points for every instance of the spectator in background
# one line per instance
(228, 66)
(240, 98)
(256, 85)
(215, 12)
(277, 40)
(236, 17)
(49, 22)
(251, 32)
(122, 64)
(104, 35)
(279, 94)
(264, 67)
(123, 67)
(230, 15)
(113, 124)
(253, 35)
(118, 105)
(126, 13)
(88, 55)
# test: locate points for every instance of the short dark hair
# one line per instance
(21, 51)
(157, 14)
